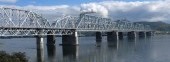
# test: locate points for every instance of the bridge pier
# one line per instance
(120, 34)
(98, 37)
(148, 33)
(142, 34)
(50, 39)
(70, 39)
(40, 48)
(131, 35)
(112, 38)
(40, 42)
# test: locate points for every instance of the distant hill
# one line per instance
(160, 26)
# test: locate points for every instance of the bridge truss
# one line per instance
(16, 22)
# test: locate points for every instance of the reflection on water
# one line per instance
(51, 52)
(113, 44)
(40, 55)
(149, 49)
(98, 44)
(70, 53)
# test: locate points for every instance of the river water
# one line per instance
(153, 49)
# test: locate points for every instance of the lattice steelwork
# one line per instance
(86, 22)
(16, 22)
(92, 23)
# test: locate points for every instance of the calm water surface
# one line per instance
(154, 49)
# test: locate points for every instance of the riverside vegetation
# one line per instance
(14, 57)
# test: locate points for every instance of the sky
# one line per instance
(132, 10)
(54, 2)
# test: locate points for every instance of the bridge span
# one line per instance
(17, 22)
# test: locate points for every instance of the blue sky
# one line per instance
(53, 2)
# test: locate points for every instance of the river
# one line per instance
(153, 49)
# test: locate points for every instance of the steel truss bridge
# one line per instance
(17, 22)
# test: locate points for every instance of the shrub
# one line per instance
(14, 57)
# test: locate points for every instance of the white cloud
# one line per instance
(138, 11)
(96, 8)
(133, 11)
(53, 12)
(9, 1)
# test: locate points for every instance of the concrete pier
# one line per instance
(131, 35)
(50, 39)
(148, 33)
(120, 35)
(142, 34)
(51, 50)
(40, 48)
(40, 42)
(112, 36)
(70, 39)
(98, 37)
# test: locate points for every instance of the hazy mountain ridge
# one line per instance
(159, 26)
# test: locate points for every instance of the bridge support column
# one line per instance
(131, 35)
(50, 39)
(40, 42)
(40, 48)
(148, 33)
(142, 35)
(70, 39)
(98, 37)
(120, 34)
(112, 38)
